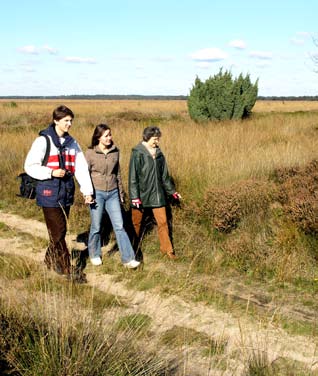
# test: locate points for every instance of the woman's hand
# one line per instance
(89, 199)
(136, 202)
(176, 196)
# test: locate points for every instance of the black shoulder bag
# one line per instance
(28, 184)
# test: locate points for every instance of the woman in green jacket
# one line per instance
(149, 185)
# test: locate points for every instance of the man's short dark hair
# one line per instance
(149, 132)
(61, 112)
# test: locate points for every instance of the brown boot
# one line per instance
(171, 255)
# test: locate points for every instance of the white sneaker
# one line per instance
(133, 264)
(96, 261)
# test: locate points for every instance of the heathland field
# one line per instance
(241, 299)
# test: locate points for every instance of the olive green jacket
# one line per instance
(149, 178)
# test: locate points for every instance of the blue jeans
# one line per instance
(109, 201)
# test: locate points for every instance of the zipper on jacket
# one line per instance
(106, 171)
(155, 164)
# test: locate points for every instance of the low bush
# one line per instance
(275, 223)
(225, 207)
(299, 195)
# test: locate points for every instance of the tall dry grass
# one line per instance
(49, 331)
(201, 157)
(198, 155)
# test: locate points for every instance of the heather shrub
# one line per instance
(299, 195)
(141, 117)
(226, 207)
(272, 220)
(240, 251)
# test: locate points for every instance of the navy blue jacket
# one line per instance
(56, 192)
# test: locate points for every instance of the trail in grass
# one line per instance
(244, 334)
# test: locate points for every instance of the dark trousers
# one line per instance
(57, 255)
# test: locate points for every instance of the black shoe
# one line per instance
(61, 271)
(77, 277)
(139, 256)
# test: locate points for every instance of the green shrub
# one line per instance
(222, 98)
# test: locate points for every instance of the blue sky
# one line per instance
(63, 47)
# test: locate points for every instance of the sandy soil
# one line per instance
(244, 334)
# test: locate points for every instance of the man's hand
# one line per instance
(59, 173)
(136, 202)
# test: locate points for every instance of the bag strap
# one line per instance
(47, 151)
(61, 158)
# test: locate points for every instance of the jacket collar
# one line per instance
(50, 131)
(142, 148)
(111, 149)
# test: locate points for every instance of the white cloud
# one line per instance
(297, 41)
(27, 67)
(50, 50)
(301, 38)
(304, 34)
(209, 54)
(79, 60)
(237, 43)
(263, 55)
(31, 50)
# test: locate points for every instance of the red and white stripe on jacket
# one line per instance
(69, 160)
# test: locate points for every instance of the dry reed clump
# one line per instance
(299, 195)
(41, 340)
(226, 207)
(142, 117)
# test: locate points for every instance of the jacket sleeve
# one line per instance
(81, 172)
(88, 159)
(120, 183)
(166, 180)
(33, 162)
(133, 181)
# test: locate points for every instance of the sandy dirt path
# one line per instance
(244, 334)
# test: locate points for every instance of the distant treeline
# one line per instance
(146, 97)
(100, 96)
(301, 98)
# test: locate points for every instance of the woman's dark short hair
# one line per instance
(98, 132)
(61, 112)
(151, 132)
